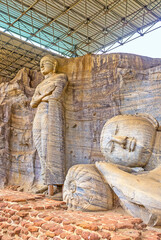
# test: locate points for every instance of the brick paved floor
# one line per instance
(31, 217)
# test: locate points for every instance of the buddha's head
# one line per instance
(128, 139)
(48, 64)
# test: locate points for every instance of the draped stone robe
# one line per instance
(48, 128)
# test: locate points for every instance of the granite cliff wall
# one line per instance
(100, 87)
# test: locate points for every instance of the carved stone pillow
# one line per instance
(85, 189)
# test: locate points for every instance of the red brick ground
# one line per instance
(31, 217)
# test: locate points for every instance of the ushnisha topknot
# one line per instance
(51, 59)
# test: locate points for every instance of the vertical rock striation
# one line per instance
(17, 154)
(100, 87)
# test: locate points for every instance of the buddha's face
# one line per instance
(46, 66)
(128, 140)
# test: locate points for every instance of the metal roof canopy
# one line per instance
(71, 27)
(16, 54)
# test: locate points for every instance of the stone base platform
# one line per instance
(34, 217)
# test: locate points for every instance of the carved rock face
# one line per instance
(128, 140)
(84, 189)
(139, 194)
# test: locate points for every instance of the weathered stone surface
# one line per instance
(19, 155)
(84, 189)
(139, 194)
(100, 87)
